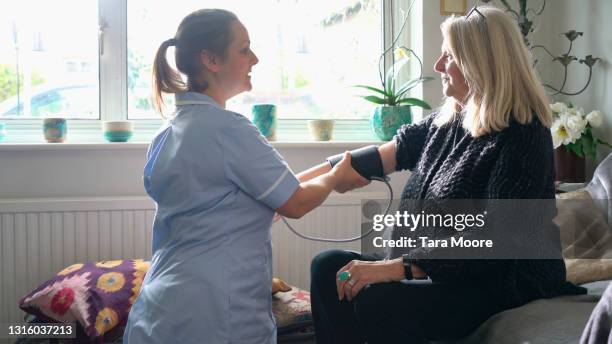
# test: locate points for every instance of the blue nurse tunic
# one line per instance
(216, 182)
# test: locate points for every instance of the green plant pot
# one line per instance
(387, 119)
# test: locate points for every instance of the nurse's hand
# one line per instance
(346, 177)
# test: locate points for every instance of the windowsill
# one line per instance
(144, 145)
(83, 135)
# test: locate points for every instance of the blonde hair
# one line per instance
(490, 53)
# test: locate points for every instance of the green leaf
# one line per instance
(375, 100)
(575, 148)
(589, 146)
(373, 89)
(411, 84)
(414, 102)
(603, 143)
(389, 82)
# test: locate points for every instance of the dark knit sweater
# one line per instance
(515, 163)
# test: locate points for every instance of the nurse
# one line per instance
(217, 184)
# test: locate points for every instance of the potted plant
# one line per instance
(573, 140)
(394, 107)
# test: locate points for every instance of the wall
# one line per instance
(73, 171)
(593, 18)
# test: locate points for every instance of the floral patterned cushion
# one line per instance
(96, 295)
(291, 310)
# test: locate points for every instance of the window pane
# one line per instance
(311, 52)
(49, 63)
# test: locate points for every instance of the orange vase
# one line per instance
(569, 166)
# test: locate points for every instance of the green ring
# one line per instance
(344, 276)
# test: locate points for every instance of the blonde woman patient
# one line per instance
(217, 184)
(490, 140)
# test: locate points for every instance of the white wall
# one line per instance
(593, 18)
(432, 42)
(113, 170)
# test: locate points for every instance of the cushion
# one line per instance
(99, 295)
(581, 271)
(600, 187)
(291, 310)
(586, 237)
(96, 295)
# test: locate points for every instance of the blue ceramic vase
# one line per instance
(55, 129)
(387, 119)
(264, 118)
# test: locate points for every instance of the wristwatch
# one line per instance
(407, 268)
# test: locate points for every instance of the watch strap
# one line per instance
(407, 267)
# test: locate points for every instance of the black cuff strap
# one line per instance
(366, 161)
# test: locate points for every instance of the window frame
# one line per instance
(113, 92)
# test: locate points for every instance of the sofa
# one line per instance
(562, 320)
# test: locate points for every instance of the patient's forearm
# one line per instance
(314, 172)
(387, 155)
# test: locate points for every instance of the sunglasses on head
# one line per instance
(475, 10)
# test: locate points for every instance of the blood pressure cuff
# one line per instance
(366, 161)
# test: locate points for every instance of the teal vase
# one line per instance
(387, 119)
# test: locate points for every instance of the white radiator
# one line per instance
(39, 237)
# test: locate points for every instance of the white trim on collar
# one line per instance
(194, 102)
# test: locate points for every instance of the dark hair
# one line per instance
(206, 29)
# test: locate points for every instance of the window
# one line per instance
(91, 60)
(47, 67)
(308, 52)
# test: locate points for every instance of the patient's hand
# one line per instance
(363, 273)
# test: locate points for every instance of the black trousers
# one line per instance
(413, 312)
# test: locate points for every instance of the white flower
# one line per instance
(567, 129)
(576, 125)
(595, 119)
(558, 107)
(578, 112)
(402, 59)
(399, 54)
(559, 133)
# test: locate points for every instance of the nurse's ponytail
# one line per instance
(207, 29)
(165, 78)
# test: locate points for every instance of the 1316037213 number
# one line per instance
(38, 330)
